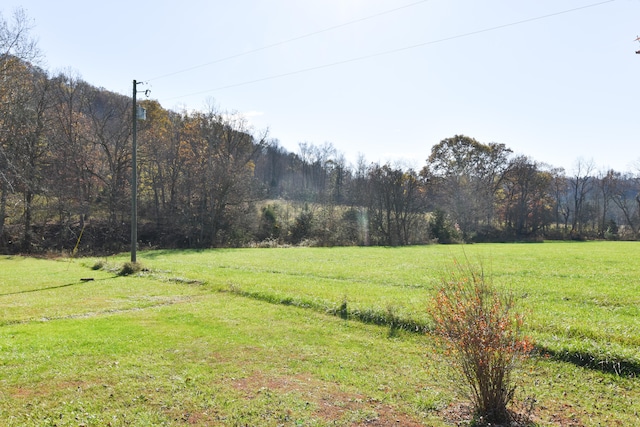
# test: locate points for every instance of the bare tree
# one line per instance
(108, 138)
(605, 181)
(17, 48)
(71, 154)
(625, 194)
(527, 193)
(581, 185)
(316, 164)
(559, 188)
(395, 204)
(16, 42)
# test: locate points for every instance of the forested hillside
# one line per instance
(206, 179)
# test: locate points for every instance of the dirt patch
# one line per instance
(461, 414)
(564, 415)
(30, 393)
(332, 403)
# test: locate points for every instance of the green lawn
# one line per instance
(249, 336)
(583, 299)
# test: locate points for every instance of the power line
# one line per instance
(304, 36)
(392, 51)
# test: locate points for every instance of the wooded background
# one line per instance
(206, 179)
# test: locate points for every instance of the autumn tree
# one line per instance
(72, 186)
(219, 153)
(108, 137)
(159, 164)
(465, 176)
(527, 198)
(34, 148)
(18, 49)
(26, 143)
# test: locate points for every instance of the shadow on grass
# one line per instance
(623, 368)
(380, 317)
(620, 367)
(156, 253)
(80, 282)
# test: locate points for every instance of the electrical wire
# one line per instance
(392, 51)
(304, 36)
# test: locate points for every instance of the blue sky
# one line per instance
(556, 80)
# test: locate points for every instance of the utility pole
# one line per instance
(138, 113)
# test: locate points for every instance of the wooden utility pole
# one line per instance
(134, 177)
(138, 113)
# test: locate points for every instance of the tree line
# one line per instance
(206, 179)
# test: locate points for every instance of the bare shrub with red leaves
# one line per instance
(483, 335)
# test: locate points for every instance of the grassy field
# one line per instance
(306, 336)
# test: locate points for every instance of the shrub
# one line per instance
(129, 268)
(302, 227)
(269, 224)
(483, 335)
(99, 265)
(441, 228)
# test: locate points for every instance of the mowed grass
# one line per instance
(255, 337)
(582, 299)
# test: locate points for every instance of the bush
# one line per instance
(99, 265)
(302, 227)
(129, 268)
(441, 228)
(483, 336)
(269, 224)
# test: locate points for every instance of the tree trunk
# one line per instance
(26, 240)
(4, 188)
